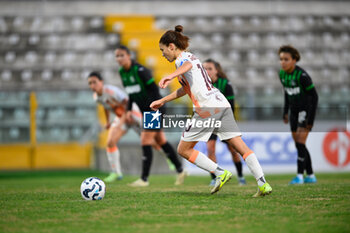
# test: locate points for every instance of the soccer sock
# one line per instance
(170, 153)
(239, 168)
(213, 176)
(202, 161)
(301, 157)
(254, 167)
(113, 156)
(308, 163)
(146, 161)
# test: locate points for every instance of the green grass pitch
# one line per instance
(51, 202)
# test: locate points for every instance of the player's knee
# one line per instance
(111, 143)
(211, 151)
(182, 151)
(179, 150)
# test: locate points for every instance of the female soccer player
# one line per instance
(220, 81)
(300, 100)
(114, 100)
(209, 103)
(139, 84)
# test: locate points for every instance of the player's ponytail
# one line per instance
(176, 37)
(179, 28)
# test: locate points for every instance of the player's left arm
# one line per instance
(311, 97)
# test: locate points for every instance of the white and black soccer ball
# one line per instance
(92, 189)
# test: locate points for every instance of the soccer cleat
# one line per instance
(310, 180)
(220, 181)
(212, 183)
(297, 180)
(139, 183)
(241, 181)
(181, 177)
(263, 190)
(170, 165)
(112, 177)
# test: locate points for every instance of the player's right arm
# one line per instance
(185, 67)
(230, 96)
(176, 94)
(285, 108)
(108, 124)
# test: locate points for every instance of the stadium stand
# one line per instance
(52, 55)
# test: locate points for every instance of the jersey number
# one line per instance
(205, 77)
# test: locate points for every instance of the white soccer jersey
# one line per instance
(198, 85)
(110, 94)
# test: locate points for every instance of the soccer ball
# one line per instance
(92, 189)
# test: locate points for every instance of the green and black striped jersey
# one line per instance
(296, 84)
(226, 89)
(140, 86)
(299, 93)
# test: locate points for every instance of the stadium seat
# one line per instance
(295, 23)
(237, 21)
(69, 58)
(96, 22)
(182, 21)
(219, 22)
(112, 40)
(33, 40)
(77, 132)
(217, 39)
(344, 39)
(14, 133)
(273, 22)
(77, 23)
(253, 39)
(328, 21)
(37, 23)
(10, 57)
(50, 57)
(200, 22)
(271, 74)
(253, 56)
(3, 25)
(309, 21)
(6, 75)
(84, 74)
(26, 75)
(14, 39)
(46, 75)
(40, 114)
(18, 23)
(53, 41)
(20, 114)
(235, 39)
(58, 24)
(255, 21)
(234, 56)
(31, 57)
(66, 75)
